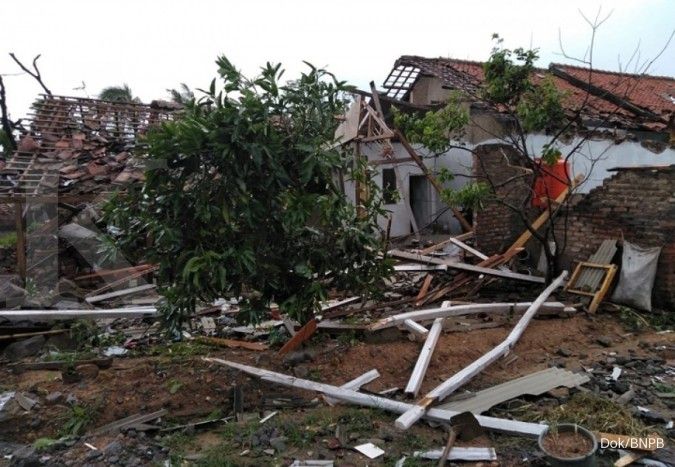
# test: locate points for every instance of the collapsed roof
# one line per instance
(77, 146)
(625, 100)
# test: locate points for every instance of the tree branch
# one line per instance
(35, 74)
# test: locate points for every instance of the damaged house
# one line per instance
(76, 151)
(625, 137)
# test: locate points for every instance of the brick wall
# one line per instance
(496, 226)
(637, 203)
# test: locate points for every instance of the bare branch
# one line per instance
(35, 74)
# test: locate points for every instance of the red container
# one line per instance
(550, 183)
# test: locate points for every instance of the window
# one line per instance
(389, 190)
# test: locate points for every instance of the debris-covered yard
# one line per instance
(472, 266)
(140, 398)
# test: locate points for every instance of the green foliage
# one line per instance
(508, 83)
(540, 107)
(8, 240)
(182, 96)
(5, 144)
(507, 74)
(277, 336)
(471, 195)
(118, 94)
(42, 444)
(79, 418)
(434, 128)
(242, 199)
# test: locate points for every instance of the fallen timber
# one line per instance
(460, 378)
(378, 402)
(51, 315)
(466, 267)
(459, 310)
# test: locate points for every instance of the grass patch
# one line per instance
(8, 240)
(590, 411)
(80, 417)
(179, 352)
(69, 356)
(42, 444)
(636, 322)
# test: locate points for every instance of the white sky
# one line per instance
(153, 45)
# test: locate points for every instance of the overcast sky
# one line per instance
(154, 45)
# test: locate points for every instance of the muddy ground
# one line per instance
(174, 377)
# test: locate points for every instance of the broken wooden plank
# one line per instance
(58, 365)
(466, 247)
(417, 376)
(450, 385)
(440, 245)
(466, 267)
(301, 336)
(434, 182)
(459, 310)
(424, 289)
(134, 275)
(50, 315)
(415, 328)
(369, 400)
(543, 218)
(356, 383)
(419, 267)
(113, 272)
(31, 334)
(120, 293)
(232, 343)
(460, 454)
(128, 421)
(332, 306)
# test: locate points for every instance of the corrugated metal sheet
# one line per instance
(589, 278)
(533, 384)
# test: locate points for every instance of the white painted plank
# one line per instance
(459, 310)
(450, 385)
(415, 328)
(419, 267)
(417, 376)
(119, 293)
(50, 315)
(467, 267)
(356, 383)
(369, 400)
(460, 454)
(466, 247)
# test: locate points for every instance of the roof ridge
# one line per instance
(611, 72)
(544, 69)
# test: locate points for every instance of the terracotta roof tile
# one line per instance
(651, 93)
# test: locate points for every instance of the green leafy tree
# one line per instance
(183, 95)
(244, 199)
(118, 94)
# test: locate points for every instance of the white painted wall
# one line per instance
(456, 161)
(606, 153)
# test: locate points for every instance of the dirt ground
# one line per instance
(176, 378)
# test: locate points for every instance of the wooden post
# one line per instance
(20, 223)
(425, 170)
